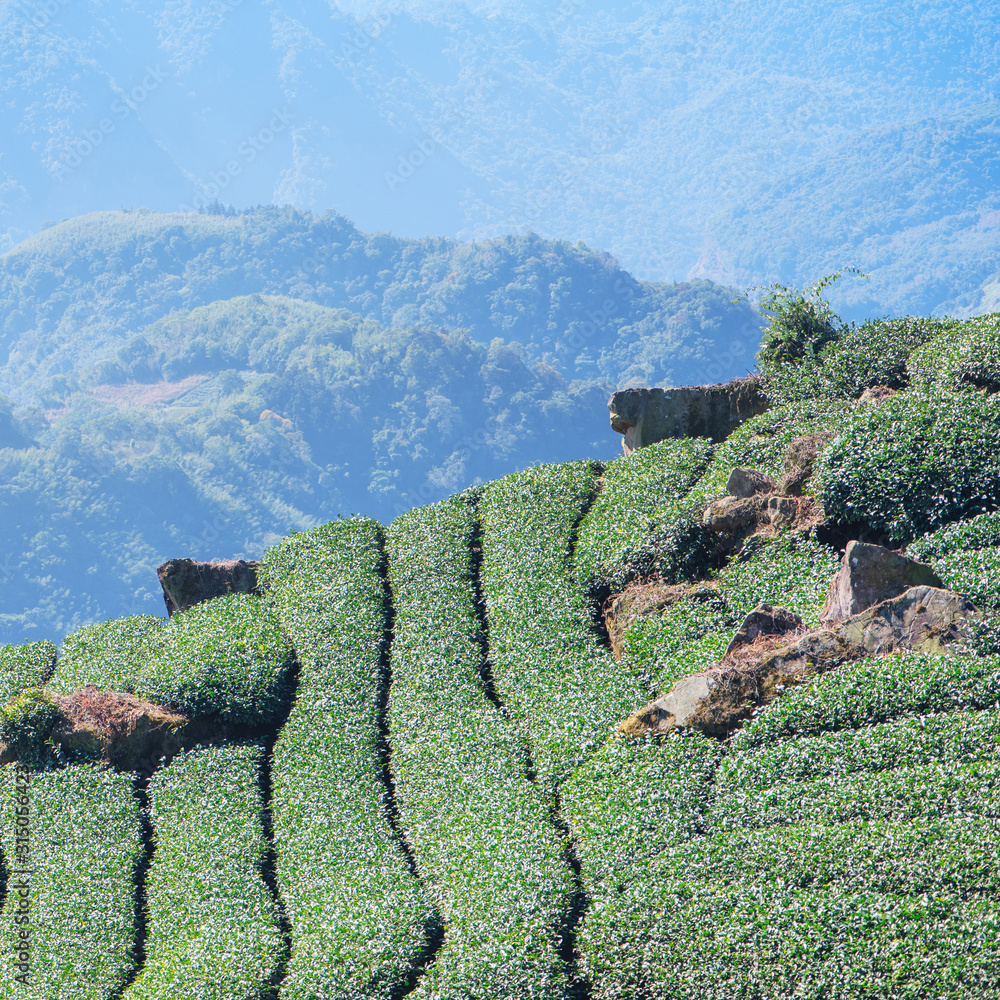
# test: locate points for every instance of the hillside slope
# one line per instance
(417, 729)
(209, 383)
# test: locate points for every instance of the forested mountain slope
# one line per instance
(740, 143)
(399, 769)
(208, 383)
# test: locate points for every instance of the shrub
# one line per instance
(85, 842)
(227, 657)
(556, 678)
(481, 831)
(26, 723)
(27, 666)
(632, 488)
(791, 571)
(913, 463)
(967, 356)
(212, 925)
(359, 918)
(980, 532)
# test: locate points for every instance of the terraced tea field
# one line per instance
(409, 780)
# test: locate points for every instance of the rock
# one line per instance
(869, 574)
(721, 698)
(733, 515)
(748, 482)
(800, 460)
(764, 622)
(129, 733)
(645, 416)
(782, 512)
(641, 599)
(186, 582)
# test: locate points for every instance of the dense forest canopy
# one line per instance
(203, 384)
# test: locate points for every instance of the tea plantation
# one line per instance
(409, 778)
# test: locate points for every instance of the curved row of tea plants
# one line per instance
(212, 925)
(227, 657)
(556, 678)
(481, 831)
(23, 667)
(359, 918)
(85, 840)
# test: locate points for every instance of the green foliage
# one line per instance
(632, 488)
(556, 679)
(966, 357)
(632, 799)
(85, 842)
(800, 323)
(480, 829)
(26, 722)
(109, 655)
(915, 462)
(876, 353)
(212, 925)
(358, 916)
(876, 690)
(227, 657)
(791, 571)
(979, 532)
(974, 573)
(25, 666)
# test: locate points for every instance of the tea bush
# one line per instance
(27, 666)
(227, 657)
(26, 723)
(558, 681)
(481, 831)
(633, 487)
(967, 356)
(981, 532)
(85, 841)
(212, 930)
(874, 690)
(359, 918)
(913, 463)
(633, 798)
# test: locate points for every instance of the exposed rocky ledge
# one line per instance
(645, 416)
(772, 652)
(186, 582)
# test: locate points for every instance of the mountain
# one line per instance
(208, 383)
(421, 758)
(742, 144)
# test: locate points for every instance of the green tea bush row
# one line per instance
(228, 656)
(634, 798)
(974, 573)
(633, 487)
(481, 832)
(555, 677)
(908, 742)
(967, 356)
(928, 790)
(359, 918)
(878, 352)
(981, 532)
(212, 926)
(671, 934)
(26, 723)
(24, 667)
(791, 571)
(85, 841)
(877, 689)
(913, 463)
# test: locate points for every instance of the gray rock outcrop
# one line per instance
(869, 574)
(186, 582)
(718, 700)
(645, 416)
